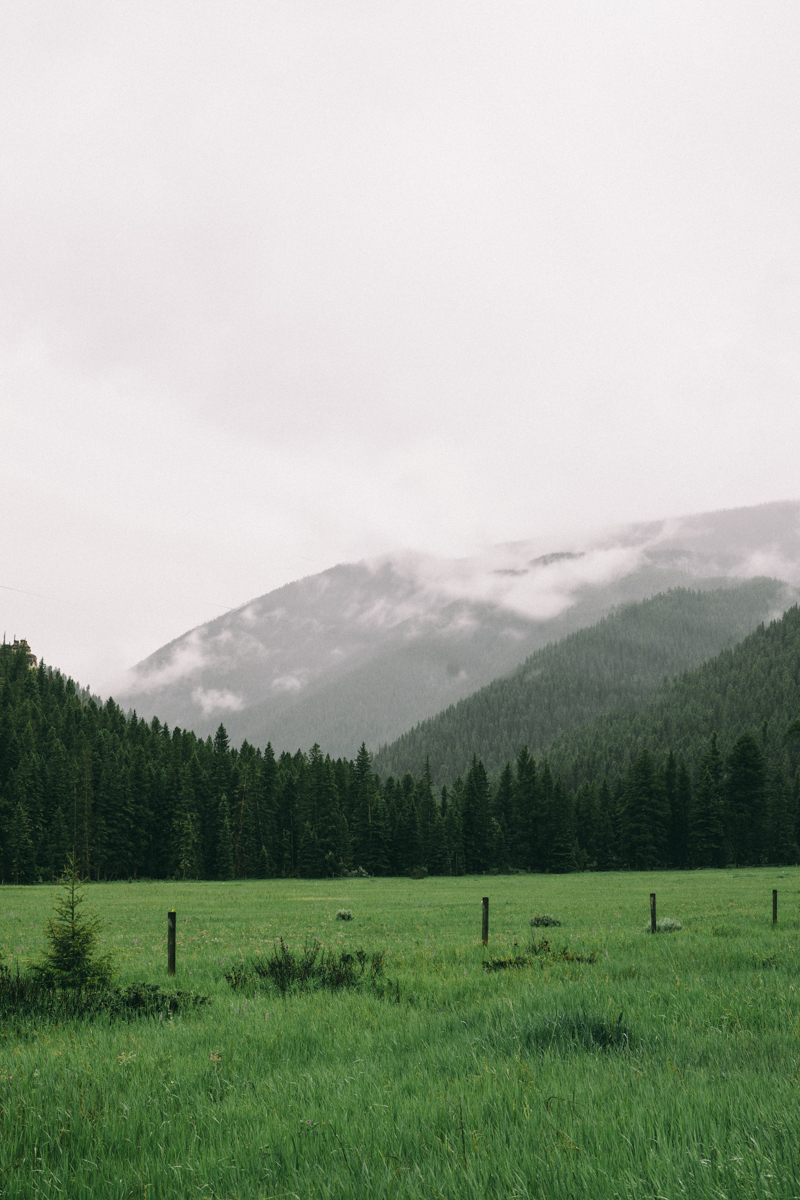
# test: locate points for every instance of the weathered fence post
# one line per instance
(774, 906)
(485, 928)
(652, 912)
(171, 942)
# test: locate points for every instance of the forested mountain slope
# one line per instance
(751, 687)
(366, 650)
(618, 663)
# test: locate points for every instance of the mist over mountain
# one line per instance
(364, 651)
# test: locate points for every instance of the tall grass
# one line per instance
(670, 1067)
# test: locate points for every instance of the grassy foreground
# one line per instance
(474, 1084)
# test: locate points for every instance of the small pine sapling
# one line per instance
(71, 959)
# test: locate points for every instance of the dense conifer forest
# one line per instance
(706, 774)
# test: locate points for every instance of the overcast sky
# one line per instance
(286, 284)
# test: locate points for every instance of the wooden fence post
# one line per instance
(774, 906)
(652, 912)
(171, 942)
(485, 927)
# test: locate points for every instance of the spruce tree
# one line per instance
(187, 838)
(410, 847)
(71, 959)
(364, 796)
(561, 849)
(646, 814)
(502, 814)
(606, 839)
(476, 819)
(310, 863)
(379, 842)
(545, 819)
(781, 846)
(745, 793)
(453, 830)
(682, 806)
(706, 828)
(57, 846)
(428, 811)
(20, 855)
(223, 866)
(525, 821)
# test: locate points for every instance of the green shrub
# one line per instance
(543, 920)
(344, 914)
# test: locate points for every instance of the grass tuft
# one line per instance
(538, 951)
(665, 925)
(566, 1032)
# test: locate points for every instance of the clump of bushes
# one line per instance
(543, 920)
(344, 914)
(311, 969)
(28, 995)
(665, 925)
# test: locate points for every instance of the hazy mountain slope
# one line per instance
(618, 663)
(753, 683)
(426, 664)
(366, 650)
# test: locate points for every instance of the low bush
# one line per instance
(344, 914)
(311, 969)
(543, 920)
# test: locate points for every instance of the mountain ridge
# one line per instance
(364, 651)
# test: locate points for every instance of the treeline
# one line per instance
(617, 664)
(135, 799)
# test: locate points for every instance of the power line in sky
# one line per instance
(38, 595)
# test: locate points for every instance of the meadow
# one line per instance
(669, 1066)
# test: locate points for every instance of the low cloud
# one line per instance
(212, 700)
(769, 562)
(519, 578)
(188, 657)
(287, 683)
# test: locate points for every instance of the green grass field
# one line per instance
(474, 1084)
